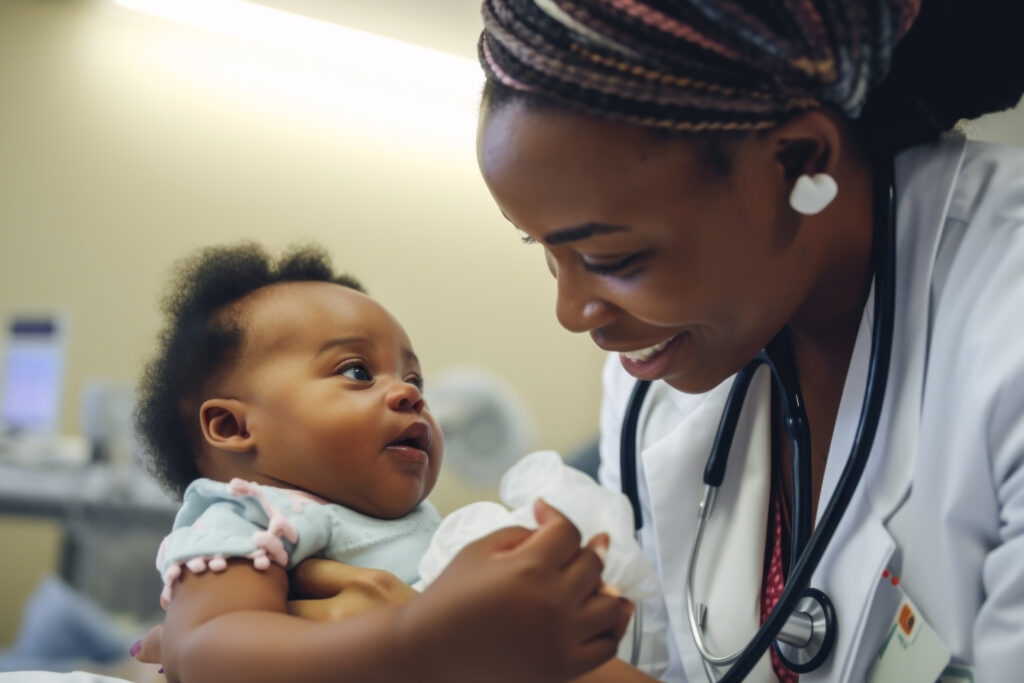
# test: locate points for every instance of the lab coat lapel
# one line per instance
(730, 567)
(851, 568)
(917, 242)
(850, 574)
(917, 246)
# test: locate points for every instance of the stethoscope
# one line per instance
(802, 626)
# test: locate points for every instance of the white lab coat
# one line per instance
(941, 503)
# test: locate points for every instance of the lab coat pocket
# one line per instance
(850, 574)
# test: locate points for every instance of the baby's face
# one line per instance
(333, 399)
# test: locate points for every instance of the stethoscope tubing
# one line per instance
(803, 563)
(777, 357)
(884, 255)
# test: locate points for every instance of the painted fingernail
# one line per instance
(160, 670)
(135, 649)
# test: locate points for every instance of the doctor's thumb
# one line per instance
(544, 513)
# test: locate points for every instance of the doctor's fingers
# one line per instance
(556, 542)
(503, 540)
(581, 577)
(601, 624)
(319, 578)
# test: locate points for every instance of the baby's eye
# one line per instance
(416, 381)
(358, 372)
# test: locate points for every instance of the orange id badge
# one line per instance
(911, 652)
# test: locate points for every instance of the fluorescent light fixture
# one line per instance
(433, 90)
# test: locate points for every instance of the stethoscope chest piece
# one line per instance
(809, 635)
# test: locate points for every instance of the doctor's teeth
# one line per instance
(646, 354)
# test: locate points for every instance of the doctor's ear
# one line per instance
(807, 149)
(223, 421)
(807, 144)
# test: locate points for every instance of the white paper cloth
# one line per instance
(590, 506)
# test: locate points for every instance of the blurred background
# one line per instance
(135, 131)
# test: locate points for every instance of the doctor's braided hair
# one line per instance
(203, 334)
(903, 70)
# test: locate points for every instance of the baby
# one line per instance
(289, 404)
(285, 406)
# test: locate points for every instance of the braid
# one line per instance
(692, 65)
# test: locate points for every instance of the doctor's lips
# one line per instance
(643, 355)
(413, 442)
(652, 361)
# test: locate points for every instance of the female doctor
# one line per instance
(710, 178)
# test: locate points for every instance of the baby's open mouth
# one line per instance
(416, 435)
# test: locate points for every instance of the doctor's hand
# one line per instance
(325, 590)
(517, 606)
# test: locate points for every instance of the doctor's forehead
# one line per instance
(516, 133)
(562, 169)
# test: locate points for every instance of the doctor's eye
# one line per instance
(357, 371)
(617, 267)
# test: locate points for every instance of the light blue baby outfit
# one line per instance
(266, 524)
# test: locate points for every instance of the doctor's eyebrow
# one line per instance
(582, 232)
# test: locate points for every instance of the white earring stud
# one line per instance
(811, 194)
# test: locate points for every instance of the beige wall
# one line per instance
(126, 141)
(39, 543)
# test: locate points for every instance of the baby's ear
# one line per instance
(223, 421)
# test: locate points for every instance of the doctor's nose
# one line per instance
(577, 308)
(403, 395)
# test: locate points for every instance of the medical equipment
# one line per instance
(802, 625)
(35, 348)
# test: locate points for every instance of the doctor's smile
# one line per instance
(651, 362)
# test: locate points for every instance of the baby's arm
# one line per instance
(231, 622)
(514, 606)
(234, 625)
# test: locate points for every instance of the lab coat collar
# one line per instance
(925, 177)
(731, 563)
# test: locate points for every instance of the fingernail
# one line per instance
(601, 550)
(160, 670)
(135, 648)
(611, 590)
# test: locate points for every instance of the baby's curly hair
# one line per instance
(202, 337)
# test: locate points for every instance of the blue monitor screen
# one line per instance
(33, 370)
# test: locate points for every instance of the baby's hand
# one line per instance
(147, 650)
(331, 591)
